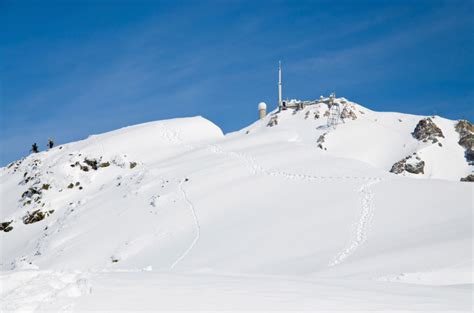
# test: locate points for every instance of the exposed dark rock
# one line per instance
(469, 154)
(85, 168)
(30, 193)
(464, 127)
(348, 113)
(468, 178)
(466, 139)
(273, 121)
(26, 180)
(415, 168)
(411, 164)
(133, 164)
(36, 216)
(92, 163)
(426, 130)
(6, 227)
(70, 186)
(398, 167)
(45, 187)
(321, 140)
(104, 164)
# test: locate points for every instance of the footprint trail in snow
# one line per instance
(363, 225)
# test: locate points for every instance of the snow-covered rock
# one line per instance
(466, 138)
(411, 164)
(426, 130)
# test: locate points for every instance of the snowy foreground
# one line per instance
(173, 215)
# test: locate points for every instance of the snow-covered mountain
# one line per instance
(286, 213)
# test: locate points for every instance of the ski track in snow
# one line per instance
(196, 224)
(363, 225)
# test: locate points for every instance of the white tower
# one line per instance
(279, 86)
(262, 110)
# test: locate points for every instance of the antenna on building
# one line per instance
(280, 103)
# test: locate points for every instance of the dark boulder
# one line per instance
(415, 168)
(411, 164)
(273, 121)
(92, 163)
(466, 139)
(426, 130)
(398, 167)
(468, 178)
(36, 216)
(6, 227)
(348, 113)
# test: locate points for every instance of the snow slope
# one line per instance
(179, 216)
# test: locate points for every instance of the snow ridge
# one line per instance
(363, 225)
(196, 224)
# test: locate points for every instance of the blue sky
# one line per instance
(69, 69)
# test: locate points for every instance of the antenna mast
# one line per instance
(279, 86)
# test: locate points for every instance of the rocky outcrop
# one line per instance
(411, 164)
(466, 139)
(92, 163)
(321, 141)
(6, 227)
(415, 168)
(273, 121)
(30, 193)
(36, 216)
(464, 127)
(469, 178)
(426, 130)
(347, 112)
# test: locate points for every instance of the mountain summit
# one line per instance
(287, 207)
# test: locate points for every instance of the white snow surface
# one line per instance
(181, 217)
